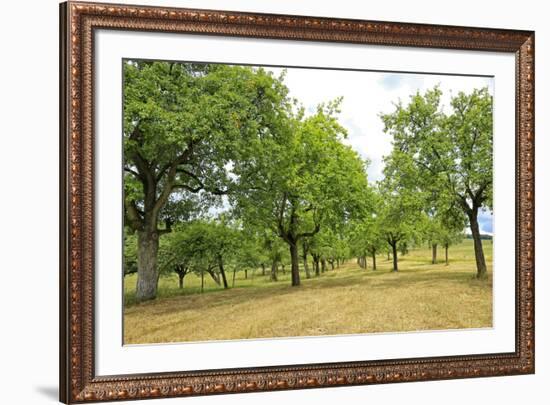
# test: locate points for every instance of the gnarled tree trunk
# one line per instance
(148, 245)
(478, 246)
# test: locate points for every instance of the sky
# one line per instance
(368, 94)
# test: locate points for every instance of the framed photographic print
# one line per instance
(262, 202)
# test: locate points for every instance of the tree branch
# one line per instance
(133, 172)
(132, 215)
(309, 234)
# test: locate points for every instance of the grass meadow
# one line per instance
(347, 300)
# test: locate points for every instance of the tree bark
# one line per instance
(306, 265)
(434, 253)
(222, 272)
(373, 253)
(181, 276)
(323, 265)
(214, 276)
(316, 265)
(148, 245)
(478, 246)
(273, 275)
(304, 256)
(294, 268)
(394, 252)
(446, 254)
(263, 269)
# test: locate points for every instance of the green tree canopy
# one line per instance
(449, 152)
(302, 179)
(184, 126)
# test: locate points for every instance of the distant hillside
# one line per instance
(483, 236)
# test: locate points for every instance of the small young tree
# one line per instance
(400, 209)
(367, 240)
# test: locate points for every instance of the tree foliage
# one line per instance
(450, 153)
(224, 172)
(303, 180)
(184, 125)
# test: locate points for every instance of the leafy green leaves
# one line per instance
(447, 154)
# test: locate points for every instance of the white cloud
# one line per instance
(365, 96)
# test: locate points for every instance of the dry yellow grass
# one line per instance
(348, 300)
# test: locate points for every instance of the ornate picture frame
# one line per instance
(78, 379)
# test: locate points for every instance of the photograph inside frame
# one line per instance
(269, 202)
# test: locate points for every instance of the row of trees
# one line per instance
(227, 142)
(220, 249)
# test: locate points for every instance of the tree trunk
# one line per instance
(478, 247)
(337, 263)
(331, 264)
(316, 265)
(202, 281)
(373, 253)
(323, 265)
(214, 276)
(222, 272)
(388, 255)
(274, 271)
(263, 269)
(245, 274)
(304, 256)
(234, 274)
(181, 275)
(306, 267)
(446, 254)
(147, 280)
(394, 252)
(294, 268)
(434, 253)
